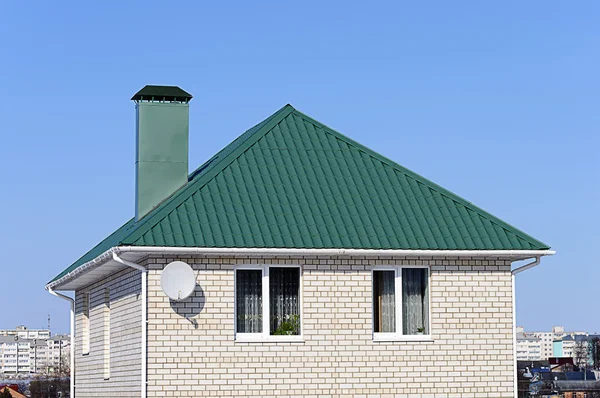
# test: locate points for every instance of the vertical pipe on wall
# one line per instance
(144, 342)
(144, 347)
(514, 342)
(72, 351)
(514, 310)
(72, 331)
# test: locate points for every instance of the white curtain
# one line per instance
(284, 292)
(415, 301)
(384, 301)
(249, 301)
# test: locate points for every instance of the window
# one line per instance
(267, 303)
(400, 303)
(85, 333)
(106, 334)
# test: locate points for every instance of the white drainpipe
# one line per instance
(514, 311)
(72, 364)
(144, 297)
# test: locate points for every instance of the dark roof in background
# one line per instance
(579, 337)
(577, 385)
(292, 182)
(532, 364)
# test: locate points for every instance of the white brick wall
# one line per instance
(124, 335)
(471, 355)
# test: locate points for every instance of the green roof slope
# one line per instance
(292, 182)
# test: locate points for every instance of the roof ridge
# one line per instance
(425, 214)
(241, 138)
(163, 210)
(421, 179)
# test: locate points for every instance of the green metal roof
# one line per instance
(292, 182)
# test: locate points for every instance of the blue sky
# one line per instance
(498, 102)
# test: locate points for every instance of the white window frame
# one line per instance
(398, 336)
(265, 335)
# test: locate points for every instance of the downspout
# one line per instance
(514, 313)
(144, 347)
(72, 363)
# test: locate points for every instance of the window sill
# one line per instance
(268, 339)
(392, 337)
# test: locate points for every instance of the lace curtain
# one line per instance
(284, 294)
(249, 301)
(415, 301)
(385, 301)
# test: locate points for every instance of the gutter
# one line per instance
(144, 299)
(72, 331)
(236, 251)
(514, 312)
(526, 266)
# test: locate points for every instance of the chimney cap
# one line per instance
(162, 93)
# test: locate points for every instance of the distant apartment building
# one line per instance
(563, 347)
(14, 355)
(529, 348)
(54, 355)
(547, 341)
(579, 347)
(563, 343)
(25, 333)
(20, 355)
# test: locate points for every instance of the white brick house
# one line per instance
(322, 269)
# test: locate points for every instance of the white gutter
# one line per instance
(72, 348)
(144, 298)
(514, 311)
(236, 251)
(332, 252)
(527, 266)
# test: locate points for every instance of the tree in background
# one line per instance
(595, 353)
(64, 369)
(580, 353)
(51, 381)
(48, 387)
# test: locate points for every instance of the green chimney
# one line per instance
(162, 129)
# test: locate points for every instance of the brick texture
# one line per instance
(124, 336)
(192, 351)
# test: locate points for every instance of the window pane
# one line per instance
(284, 300)
(415, 301)
(384, 301)
(249, 301)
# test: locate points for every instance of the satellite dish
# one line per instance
(178, 280)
